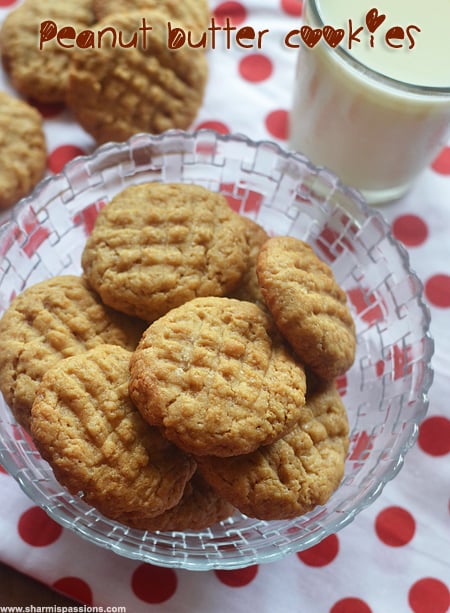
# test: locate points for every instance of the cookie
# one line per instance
(156, 246)
(116, 92)
(193, 14)
(293, 475)
(211, 375)
(85, 426)
(41, 74)
(249, 288)
(49, 321)
(308, 305)
(199, 508)
(23, 150)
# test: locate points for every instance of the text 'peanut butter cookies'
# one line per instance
(115, 92)
(308, 305)
(23, 150)
(200, 507)
(213, 377)
(156, 246)
(293, 475)
(49, 321)
(193, 14)
(85, 425)
(41, 74)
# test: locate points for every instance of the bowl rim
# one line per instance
(372, 493)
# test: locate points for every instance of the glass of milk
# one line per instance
(372, 90)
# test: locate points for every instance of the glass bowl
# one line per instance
(385, 392)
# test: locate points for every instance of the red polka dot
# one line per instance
(36, 528)
(350, 605)
(292, 7)
(395, 526)
(235, 11)
(434, 436)
(441, 164)
(75, 588)
(321, 554)
(237, 578)
(410, 230)
(217, 126)
(7, 2)
(3, 470)
(437, 290)
(153, 584)
(48, 110)
(59, 157)
(342, 384)
(277, 124)
(429, 595)
(255, 67)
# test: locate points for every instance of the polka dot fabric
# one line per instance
(395, 554)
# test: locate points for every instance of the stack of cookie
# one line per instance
(117, 83)
(190, 371)
(52, 54)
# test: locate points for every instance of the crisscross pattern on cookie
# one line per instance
(157, 246)
(308, 305)
(49, 321)
(85, 425)
(296, 473)
(41, 74)
(211, 374)
(115, 93)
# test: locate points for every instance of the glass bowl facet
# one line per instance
(385, 392)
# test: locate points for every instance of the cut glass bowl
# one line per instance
(385, 391)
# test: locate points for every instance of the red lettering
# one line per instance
(66, 32)
(412, 42)
(47, 31)
(395, 33)
(353, 35)
(287, 39)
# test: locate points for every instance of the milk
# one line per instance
(377, 128)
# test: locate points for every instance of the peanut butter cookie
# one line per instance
(293, 475)
(23, 150)
(49, 321)
(308, 305)
(116, 92)
(156, 246)
(86, 427)
(193, 14)
(200, 507)
(212, 376)
(41, 74)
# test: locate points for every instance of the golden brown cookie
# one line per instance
(199, 508)
(249, 288)
(193, 14)
(293, 475)
(23, 150)
(85, 425)
(41, 74)
(156, 246)
(49, 321)
(116, 92)
(216, 381)
(308, 305)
